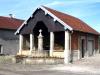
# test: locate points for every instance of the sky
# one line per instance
(86, 10)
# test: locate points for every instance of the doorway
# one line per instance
(90, 47)
(82, 48)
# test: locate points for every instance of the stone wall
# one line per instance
(74, 55)
(9, 42)
(42, 61)
(6, 59)
(58, 54)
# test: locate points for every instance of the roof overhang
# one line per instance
(66, 26)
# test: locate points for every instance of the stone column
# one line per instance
(40, 41)
(67, 49)
(51, 43)
(31, 43)
(20, 43)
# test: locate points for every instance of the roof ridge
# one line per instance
(11, 18)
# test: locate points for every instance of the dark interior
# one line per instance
(45, 33)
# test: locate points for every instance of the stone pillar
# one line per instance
(51, 43)
(20, 43)
(67, 49)
(31, 43)
(40, 41)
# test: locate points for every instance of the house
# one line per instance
(56, 34)
(9, 41)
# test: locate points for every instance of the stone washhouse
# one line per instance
(51, 33)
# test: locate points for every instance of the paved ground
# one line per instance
(18, 69)
(89, 66)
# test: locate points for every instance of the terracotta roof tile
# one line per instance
(9, 23)
(73, 22)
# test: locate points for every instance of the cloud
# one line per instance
(88, 10)
(55, 3)
(77, 8)
(71, 2)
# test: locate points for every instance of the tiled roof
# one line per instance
(9, 23)
(75, 23)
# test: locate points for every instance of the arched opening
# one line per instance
(45, 33)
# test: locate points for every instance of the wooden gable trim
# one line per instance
(56, 18)
(47, 12)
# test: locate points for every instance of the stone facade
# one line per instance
(76, 45)
(9, 42)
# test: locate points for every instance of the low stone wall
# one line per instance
(44, 53)
(42, 61)
(34, 53)
(74, 55)
(96, 51)
(6, 59)
(24, 52)
(58, 54)
(38, 60)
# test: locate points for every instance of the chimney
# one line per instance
(11, 15)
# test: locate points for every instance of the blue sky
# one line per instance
(86, 10)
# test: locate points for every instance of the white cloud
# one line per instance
(55, 3)
(71, 2)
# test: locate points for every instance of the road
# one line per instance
(43, 72)
(19, 69)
